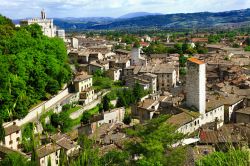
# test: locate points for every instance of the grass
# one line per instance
(76, 121)
(92, 111)
(65, 115)
(102, 82)
(73, 109)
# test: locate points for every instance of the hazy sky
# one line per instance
(113, 8)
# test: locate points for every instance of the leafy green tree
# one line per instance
(2, 131)
(200, 49)
(33, 68)
(28, 137)
(183, 71)
(115, 158)
(66, 107)
(232, 157)
(182, 61)
(106, 102)
(6, 21)
(137, 91)
(247, 41)
(121, 102)
(15, 159)
(89, 154)
(247, 48)
(85, 117)
(152, 140)
(137, 44)
(127, 119)
(178, 48)
(63, 158)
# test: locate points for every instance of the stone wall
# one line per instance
(44, 106)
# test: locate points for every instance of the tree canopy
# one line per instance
(33, 67)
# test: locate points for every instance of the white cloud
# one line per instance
(113, 8)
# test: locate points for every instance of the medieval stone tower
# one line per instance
(196, 84)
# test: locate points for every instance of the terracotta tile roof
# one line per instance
(81, 77)
(228, 133)
(244, 111)
(180, 119)
(47, 149)
(144, 44)
(11, 129)
(147, 103)
(195, 60)
(199, 40)
(66, 143)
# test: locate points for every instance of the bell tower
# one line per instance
(43, 15)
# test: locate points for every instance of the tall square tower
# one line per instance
(196, 84)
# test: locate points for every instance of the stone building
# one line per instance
(148, 81)
(74, 43)
(243, 115)
(136, 58)
(113, 116)
(114, 73)
(167, 76)
(45, 23)
(60, 33)
(196, 84)
(83, 86)
(48, 152)
(13, 136)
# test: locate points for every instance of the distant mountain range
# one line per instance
(156, 20)
(139, 14)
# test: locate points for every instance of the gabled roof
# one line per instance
(11, 129)
(180, 119)
(82, 77)
(47, 149)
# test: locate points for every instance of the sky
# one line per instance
(112, 8)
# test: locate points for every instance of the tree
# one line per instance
(49, 161)
(152, 140)
(232, 157)
(137, 44)
(63, 158)
(115, 158)
(28, 138)
(85, 117)
(89, 154)
(137, 91)
(15, 159)
(127, 119)
(33, 68)
(2, 131)
(106, 102)
(121, 102)
(247, 48)
(178, 48)
(182, 61)
(247, 41)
